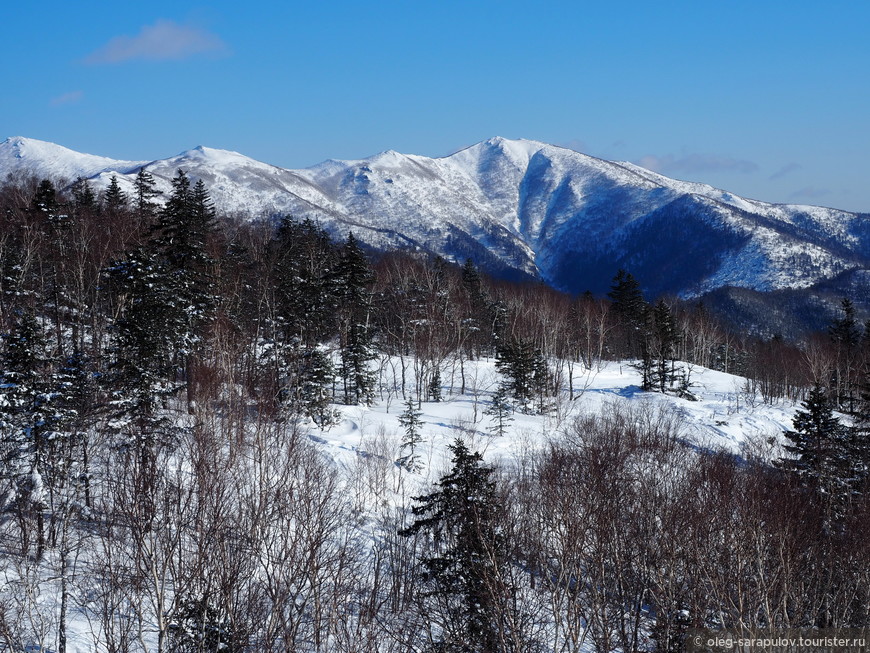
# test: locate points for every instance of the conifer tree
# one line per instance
(357, 351)
(84, 196)
(199, 627)
(500, 411)
(306, 383)
(526, 373)
(630, 311)
(662, 344)
(434, 389)
(308, 282)
(411, 422)
(148, 329)
(464, 555)
(30, 420)
(846, 338)
(471, 279)
(821, 452)
(114, 199)
(45, 202)
(182, 268)
(146, 191)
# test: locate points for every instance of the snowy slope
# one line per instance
(726, 416)
(28, 157)
(519, 208)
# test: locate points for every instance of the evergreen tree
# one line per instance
(669, 630)
(662, 345)
(434, 389)
(84, 196)
(821, 452)
(78, 398)
(471, 279)
(357, 351)
(306, 380)
(198, 627)
(317, 376)
(411, 422)
(846, 338)
(149, 329)
(630, 311)
(182, 270)
(45, 202)
(115, 199)
(464, 555)
(146, 191)
(486, 317)
(844, 331)
(500, 411)
(31, 419)
(526, 373)
(307, 282)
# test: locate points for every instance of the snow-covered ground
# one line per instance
(365, 444)
(727, 415)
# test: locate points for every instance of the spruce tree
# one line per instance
(162, 292)
(114, 199)
(84, 196)
(630, 311)
(146, 192)
(199, 627)
(31, 421)
(846, 338)
(464, 554)
(434, 388)
(662, 344)
(411, 422)
(306, 378)
(357, 350)
(821, 452)
(527, 376)
(308, 282)
(500, 411)
(45, 202)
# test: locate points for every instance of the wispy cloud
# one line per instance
(810, 193)
(67, 98)
(786, 169)
(694, 163)
(165, 40)
(575, 144)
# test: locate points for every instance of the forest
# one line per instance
(162, 370)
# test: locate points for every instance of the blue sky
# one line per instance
(766, 99)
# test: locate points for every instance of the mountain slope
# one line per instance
(519, 208)
(28, 157)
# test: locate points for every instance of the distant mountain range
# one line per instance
(527, 210)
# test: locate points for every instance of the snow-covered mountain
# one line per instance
(519, 208)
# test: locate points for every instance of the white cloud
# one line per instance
(67, 98)
(810, 193)
(693, 163)
(786, 169)
(575, 144)
(165, 40)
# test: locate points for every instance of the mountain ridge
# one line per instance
(520, 208)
